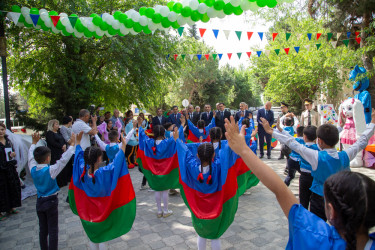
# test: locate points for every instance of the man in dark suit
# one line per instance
(207, 114)
(220, 117)
(174, 118)
(243, 112)
(267, 114)
(197, 115)
(159, 119)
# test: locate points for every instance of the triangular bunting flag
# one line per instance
(259, 53)
(346, 42)
(249, 34)
(14, 16)
(239, 33)
(357, 33)
(73, 20)
(202, 31)
(220, 56)
(338, 35)
(287, 51)
(260, 35)
(207, 56)
(287, 36)
(214, 56)
(307, 47)
(180, 30)
(229, 55)
(274, 35)
(296, 49)
(329, 36)
(348, 34)
(183, 56)
(277, 51)
(318, 46)
(191, 57)
(309, 36)
(239, 55)
(267, 52)
(358, 39)
(34, 18)
(227, 32)
(175, 56)
(318, 35)
(334, 44)
(199, 56)
(55, 20)
(216, 33)
(167, 57)
(248, 54)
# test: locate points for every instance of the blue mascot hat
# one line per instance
(361, 85)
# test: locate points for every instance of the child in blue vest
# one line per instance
(294, 159)
(348, 196)
(288, 125)
(44, 177)
(306, 179)
(327, 161)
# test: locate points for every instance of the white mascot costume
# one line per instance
(352, 110)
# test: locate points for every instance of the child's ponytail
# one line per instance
(90, 156)
(205, 153)
(159, 132)
(215, 134)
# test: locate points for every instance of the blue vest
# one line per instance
(111, 151)
(328, 166)
(304, 164)
(290, 130)
(294, 154)
(43, 182)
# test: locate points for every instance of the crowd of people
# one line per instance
(210, 156)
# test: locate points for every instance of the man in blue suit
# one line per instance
(174, 118)
(207, 115)
(243, 112)
(267, 114)
(159, 119)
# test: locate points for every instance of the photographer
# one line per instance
(81, 124)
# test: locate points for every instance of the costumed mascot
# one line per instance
(352, 110)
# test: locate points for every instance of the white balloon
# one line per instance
(157, 9)
(235, 3)
(194, 4)
(83, 21)
(110, 20)
(164, 11)
(181, 20)
(211, 12)
(48, 23)
(185, 2)
(28, 19)
(54, 30)
(99, 32)
(289, 1)
(245, 5)
(190, 22)
(91, 27)
(172, 16)
(107, 34)
(77, 34)
(133, 32)
(116, 24)
(42, 11)
(69, 29)
(124, 30)
(25, 11)
(64, 20)
(44, 16)
(151, 26)
(221, 15)
(253, 6)
(143, 20)
(202, 8)
(63, 14)
(226, 1)
(104, 16)
(135, 17)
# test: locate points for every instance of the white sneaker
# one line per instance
(143, 187)
(167, 214)
(159, 214)
(247, 192)
(173, 192)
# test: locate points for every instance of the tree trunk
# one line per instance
(368, 57)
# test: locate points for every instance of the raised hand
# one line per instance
(278, 125)
(36, 138)
(123, 142)
(64, 148)
(79, 138)
(266, 126)
(176, 133)
(235, 139)
(72, 139)
(94, 118)
(183, 120)
(135, 123)
(200, 139)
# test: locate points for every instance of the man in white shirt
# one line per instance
(81, 124)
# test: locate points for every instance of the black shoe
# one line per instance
(280, 158)
(260, 157)
(268, 157)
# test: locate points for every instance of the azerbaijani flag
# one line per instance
(195, 133)
(158, 163)
(107, 208)
(214, 206)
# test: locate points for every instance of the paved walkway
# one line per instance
(259, 222)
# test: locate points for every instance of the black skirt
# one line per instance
(10, 188)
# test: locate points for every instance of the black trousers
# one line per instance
(263, 134)
(293, 167)
(285, 151)
(305, 182)
(47, 211)
(130, 154)
(144, 180)
(317, 206)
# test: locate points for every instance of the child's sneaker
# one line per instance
(159, 214)
(167, 214)
(136, 164)
(143, 187)
(131, 166)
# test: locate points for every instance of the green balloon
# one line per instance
(142, 11)
(94, 15)
(209, 3)
(59, 25)
(157, 18)
(44, 27)
(88, 33)
(116, 15)
(195, 16)
(177, 7)
(175, 25)
(186, 11)
(129, 23)
(34, 11)
(22, 19)
(28, 25)
(228, 9)
(122, 18)
(97, 21)
(74, 15)
(150, 12)
(146, 30)
(170, 5)
(237, 11)
(165, 22)
(40, 22)
(219, 5)
(112, 31)
(104, 26)
(53, 13)
(97, 37)
(66, 33)
(205, 18)
(79, 27)
(16, 8)
(137, 27)
(271, 3)
(261, 3)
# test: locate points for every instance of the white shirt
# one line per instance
(102, 144)
(54, 169)
(79, 126)
(205, 169)
(311, 155)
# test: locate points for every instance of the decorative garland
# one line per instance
(147, 19)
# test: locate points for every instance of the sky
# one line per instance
(244, 23)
